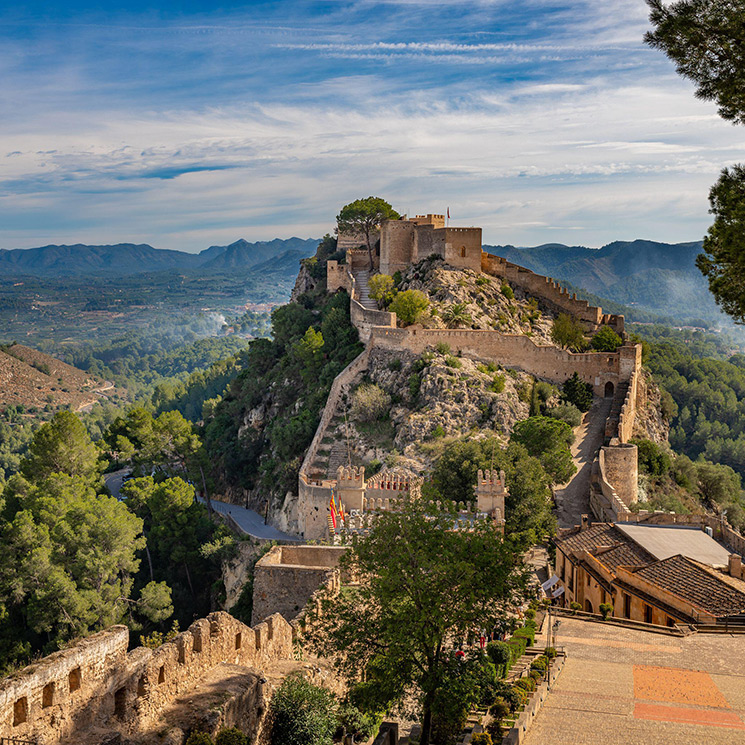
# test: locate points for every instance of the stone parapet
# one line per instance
(97, 683)
(510, 350)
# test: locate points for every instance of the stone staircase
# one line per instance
(362, 279)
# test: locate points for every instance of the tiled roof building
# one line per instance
(636, 573)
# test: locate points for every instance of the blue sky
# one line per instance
(191, 124)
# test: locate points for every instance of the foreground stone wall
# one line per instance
(287, 577)
(97, 683)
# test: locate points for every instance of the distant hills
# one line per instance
(130, 258)
(658, 277)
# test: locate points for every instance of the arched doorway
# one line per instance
(588, 606)
(609, 390)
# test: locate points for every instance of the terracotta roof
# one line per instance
(588, 539)
(696, 583)
(626, 554)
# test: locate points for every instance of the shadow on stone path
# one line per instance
(573, 499)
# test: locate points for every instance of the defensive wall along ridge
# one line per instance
(97, 685)
(403, 242)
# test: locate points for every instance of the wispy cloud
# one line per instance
(190, 128)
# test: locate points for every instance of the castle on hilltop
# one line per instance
(406, 241)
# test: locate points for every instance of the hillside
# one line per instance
(657, 277)
(35, 380)
(126, 259)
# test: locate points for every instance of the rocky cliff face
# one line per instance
(650, 422)
(486, 302)
(434, 398)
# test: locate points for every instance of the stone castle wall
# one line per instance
(287, 577)
(514, 351)
(97, 683)
(548, 290)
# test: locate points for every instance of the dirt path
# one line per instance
(573, 499)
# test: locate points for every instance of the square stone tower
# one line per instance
(490, 495)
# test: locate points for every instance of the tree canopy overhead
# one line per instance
(364, 217)
(422, 585)
(706, 41)
(723, 260)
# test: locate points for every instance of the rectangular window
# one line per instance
(626, 605)
(647, 613)
(47, 696)
(73, 679)
(20, 711)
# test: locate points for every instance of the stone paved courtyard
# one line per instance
(625, 687)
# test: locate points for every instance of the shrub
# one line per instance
(394, 365)
(442, 347)
(457, 315)
(575, 606)
(438, 431)
(199, 738)
(568, 413)
(415, 383)
(507, 292)
(567, 332)
(497, 384)
(652, 458)
(525, 633)
(454, 362)
(540, 664)
(576, 391)
(409, 305)
(381, 288)
(536, 674)
(231, 736)
(606, 609)
(354, 721)
(530, 614)
(499, 653)
(482, 281)
(369, 403)
(527, 684)
(606, 340)
(302, 713)
(550, 652)
(482, 738)
(500, 709)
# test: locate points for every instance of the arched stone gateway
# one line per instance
(609, 389)
(588, 606)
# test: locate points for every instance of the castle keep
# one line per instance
(409, 240)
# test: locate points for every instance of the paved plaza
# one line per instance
(625, 687)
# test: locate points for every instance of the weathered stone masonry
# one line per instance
(98, 683)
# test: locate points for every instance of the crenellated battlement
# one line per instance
(98, 683)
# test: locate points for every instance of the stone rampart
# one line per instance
(511, 350)
(343, 379)
(627, 416)
(97, 683)
(548, 290)
(286, 578)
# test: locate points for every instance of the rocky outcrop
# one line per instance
(305, 282)
(485, 303)
(650, 422)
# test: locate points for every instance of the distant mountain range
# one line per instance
(657, 277)
(129, 258)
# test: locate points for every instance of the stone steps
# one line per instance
(363, 288)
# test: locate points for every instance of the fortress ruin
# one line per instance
(407, 241)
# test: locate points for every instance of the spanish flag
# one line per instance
(332, 509)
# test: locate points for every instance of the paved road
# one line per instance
(252, 523)
(114, 481)
(573, 499)
(625, 687)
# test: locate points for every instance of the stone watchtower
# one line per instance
(490, 495)
(350, 486)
